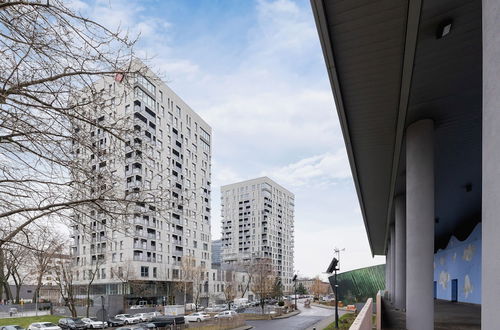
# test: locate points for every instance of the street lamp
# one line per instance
(294, 279)
(102, 304)
(333, 268)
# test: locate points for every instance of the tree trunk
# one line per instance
(8, 292)
(36, 295)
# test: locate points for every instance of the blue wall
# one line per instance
(460, 260)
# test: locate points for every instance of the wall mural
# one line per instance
(461, 261)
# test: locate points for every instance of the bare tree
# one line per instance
(92, 273)
(247, 268)
(318, 288)
(19, 269)
(65, 282)
(50, 109)
(230, 287)
(46, 248)
(4, 276)
(263, 279)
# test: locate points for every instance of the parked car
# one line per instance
(197, 317)
(43, 326)
(143, 317)
(72, 323)
(154, 314)
(128, 318)
(114, 322)
(163, 321)
(225, 315)
(94, 323)
(11, 327)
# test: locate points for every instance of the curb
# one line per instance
(245, 327)
(297, 312)
(323, 306)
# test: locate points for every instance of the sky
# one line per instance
(254, 70)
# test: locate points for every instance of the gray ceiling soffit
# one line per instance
(363, 43)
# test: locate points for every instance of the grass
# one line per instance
(26, 321)
(345, 322)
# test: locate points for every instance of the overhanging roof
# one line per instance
(387, 69)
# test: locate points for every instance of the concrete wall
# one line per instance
(364, 319)
(460, 260)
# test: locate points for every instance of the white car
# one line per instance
(128, 319)
(94, 323)
(144, 316)
(43, 326)
(226, 315)
(197, 317)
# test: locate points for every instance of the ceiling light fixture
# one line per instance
(444, 28)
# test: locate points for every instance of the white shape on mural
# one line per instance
(469, 252)
(444, 278)
(467, 286)
(441, 261)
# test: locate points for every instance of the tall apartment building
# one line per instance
(258, 222)
(169, 153)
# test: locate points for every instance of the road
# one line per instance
(307, 318)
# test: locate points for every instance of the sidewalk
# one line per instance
(325, 322)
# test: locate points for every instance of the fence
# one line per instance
(24, 309)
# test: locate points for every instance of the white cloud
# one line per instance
(323, 169)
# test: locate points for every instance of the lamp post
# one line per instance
(336, 300)
(294, 279)
(333, 268)
(102, 305)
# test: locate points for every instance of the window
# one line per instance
(148, 100)
(145, 271)
(204, 135)
(155, 272)
(147, 84)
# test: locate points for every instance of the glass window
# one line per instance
(144, 271)
(147, 84)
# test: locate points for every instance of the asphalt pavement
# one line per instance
(307, 318)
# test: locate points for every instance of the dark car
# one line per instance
(114, 322)
(163, 321)
(72, 323)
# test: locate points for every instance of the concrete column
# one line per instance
(490, 292)
(420, 225)
(388, 270)
(393, 265)
(400, 217)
